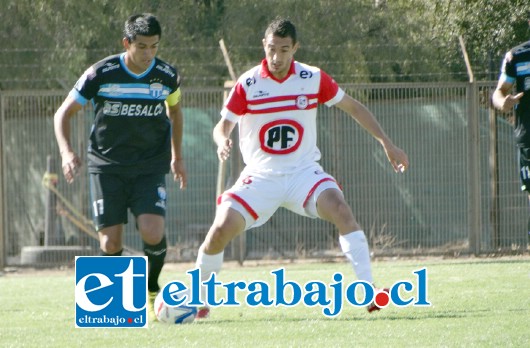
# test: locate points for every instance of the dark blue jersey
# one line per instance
(131, 132)
(516, 69)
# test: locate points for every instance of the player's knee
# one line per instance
(228, 223)
(152, 238)
(151, 229)
(219, 236)
(216, 240)
(110, 247)
(335, 210)
(341, 216)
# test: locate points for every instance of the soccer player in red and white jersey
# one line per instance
(275, 106)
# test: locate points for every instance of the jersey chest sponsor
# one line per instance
(281, 137)
(126, 109)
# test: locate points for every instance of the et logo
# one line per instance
(111, 291)
(281, 137)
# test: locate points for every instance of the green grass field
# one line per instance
(476, 303)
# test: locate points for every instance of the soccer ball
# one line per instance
(173, 315)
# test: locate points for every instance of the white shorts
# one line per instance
(257, 197)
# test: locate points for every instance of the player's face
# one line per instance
(141, 52)
(279, 52)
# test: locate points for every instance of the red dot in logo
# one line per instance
(382, 299)
(129, 320)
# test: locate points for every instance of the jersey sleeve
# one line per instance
(86, 87)
(508, 70)
(329, 92)
(236, 103)
(174, 98)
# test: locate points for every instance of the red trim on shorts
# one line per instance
(240, 201)
(314, 188)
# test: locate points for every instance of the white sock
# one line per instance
(355, 248)
(208, 264)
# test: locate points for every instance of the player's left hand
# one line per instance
(179, 172)
(510, 101)
(397, 157)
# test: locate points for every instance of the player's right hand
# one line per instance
(71, 165)
(223, 149)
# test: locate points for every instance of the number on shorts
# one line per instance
(98, 207)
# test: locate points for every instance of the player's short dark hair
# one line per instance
(281, 27)
(144, 24)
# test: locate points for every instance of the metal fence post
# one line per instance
(50, 231)
(494, 174)
(474, 176)
(2, 230)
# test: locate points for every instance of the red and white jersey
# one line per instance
(277, 119)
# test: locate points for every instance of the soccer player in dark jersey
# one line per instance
(136, 138)
(515, 70)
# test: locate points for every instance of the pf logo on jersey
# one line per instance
(281, 137)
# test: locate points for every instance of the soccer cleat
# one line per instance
(151, 296)
(373, 306)
(202, 312)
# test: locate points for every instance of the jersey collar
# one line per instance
(266, 73)
(137, 76)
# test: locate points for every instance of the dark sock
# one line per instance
(102, 253)
(155, 255)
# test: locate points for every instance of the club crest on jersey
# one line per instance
(302, 102)
(281, 137)
(156, 90)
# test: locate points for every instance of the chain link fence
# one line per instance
(460, 195)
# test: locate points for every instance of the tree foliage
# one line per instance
(49, 43)
(489, 27)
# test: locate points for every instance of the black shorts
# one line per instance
(524, 168)
(113, 194)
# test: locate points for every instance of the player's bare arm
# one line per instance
(502, 98)
(397, 157)
(177, 128)
(70, 161)
(221, 136)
